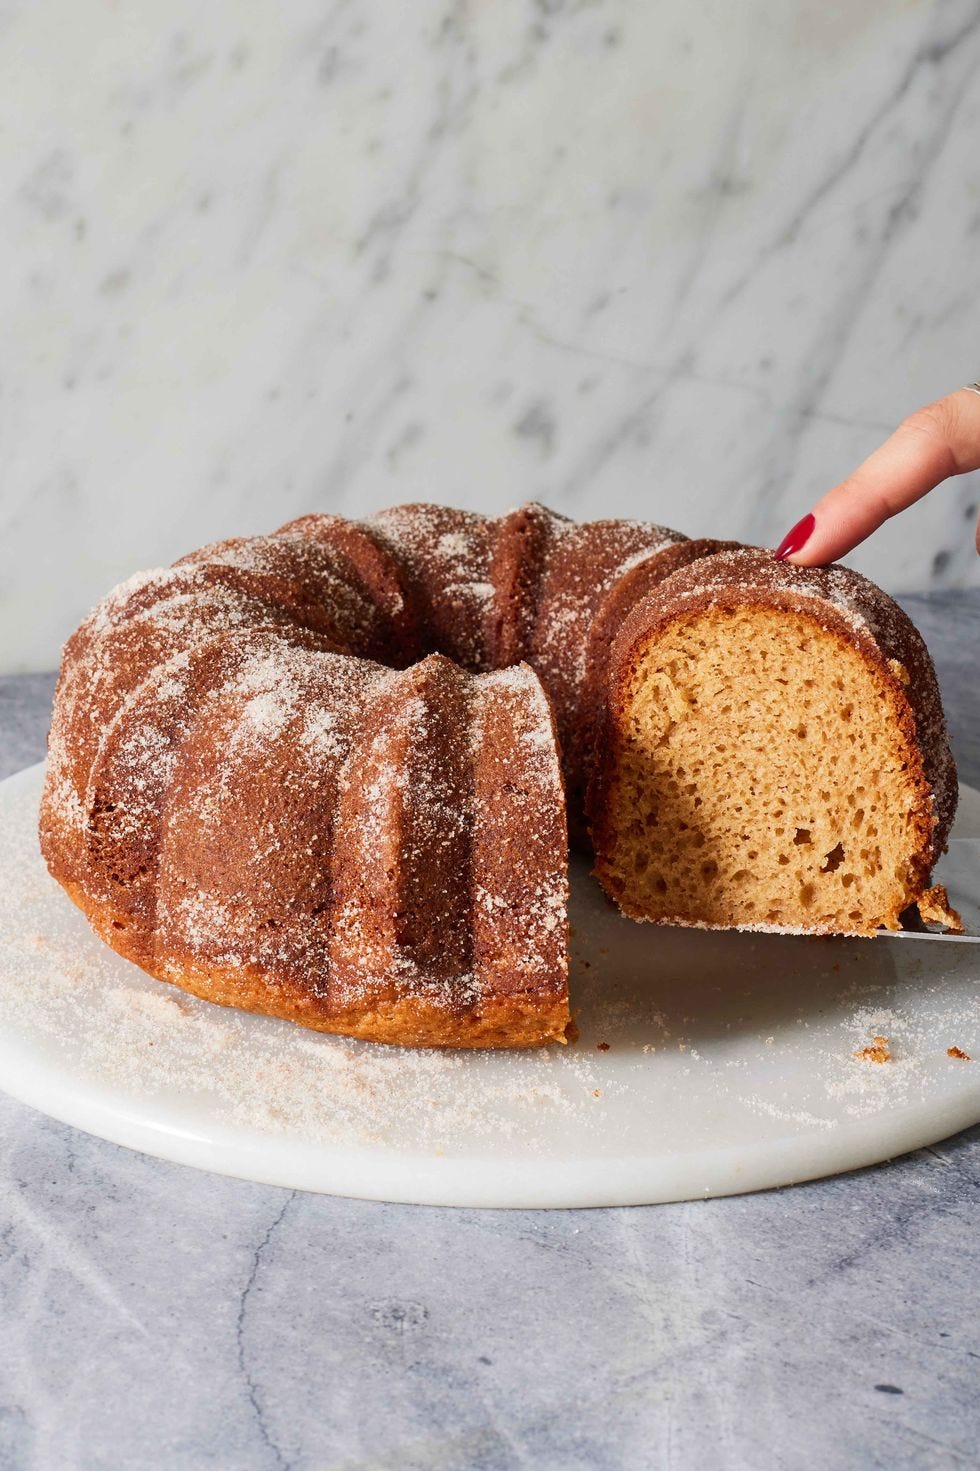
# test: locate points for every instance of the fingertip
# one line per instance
(796, 538)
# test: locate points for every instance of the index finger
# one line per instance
(937, 441)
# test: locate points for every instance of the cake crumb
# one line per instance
(879, 1051)
(958, 1052)
(602, 1046)
(934, 908)
(596, 1092)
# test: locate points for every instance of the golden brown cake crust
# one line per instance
(308, 774)
(256, 792)
(248, 798)
(529, 1019)
(382, 853)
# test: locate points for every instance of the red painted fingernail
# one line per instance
(796, 539)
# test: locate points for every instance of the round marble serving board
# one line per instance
(707, 1064)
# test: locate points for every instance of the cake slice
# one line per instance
(774, 754)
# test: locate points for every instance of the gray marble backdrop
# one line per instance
(640, 257)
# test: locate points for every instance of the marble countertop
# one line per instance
(685, 262)
(159, 1317)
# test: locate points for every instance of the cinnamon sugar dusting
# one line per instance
(244, 778)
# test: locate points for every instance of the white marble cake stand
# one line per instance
(708, 1064)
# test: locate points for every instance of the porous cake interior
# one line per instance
(761, 780)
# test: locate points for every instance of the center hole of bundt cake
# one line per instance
(761, 780)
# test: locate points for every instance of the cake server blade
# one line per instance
(959, 870)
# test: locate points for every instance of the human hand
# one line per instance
(937, 441)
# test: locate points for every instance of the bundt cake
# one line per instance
(328, 774)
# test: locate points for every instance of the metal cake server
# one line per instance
(959, 870)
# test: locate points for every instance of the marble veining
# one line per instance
(683, 262)
(160, 1317)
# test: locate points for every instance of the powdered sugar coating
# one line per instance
(582, 562)
(447, 556)
(250, 809)
(252, 796)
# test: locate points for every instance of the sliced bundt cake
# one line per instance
(775, 753)
(269, 782)
(328, 774)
